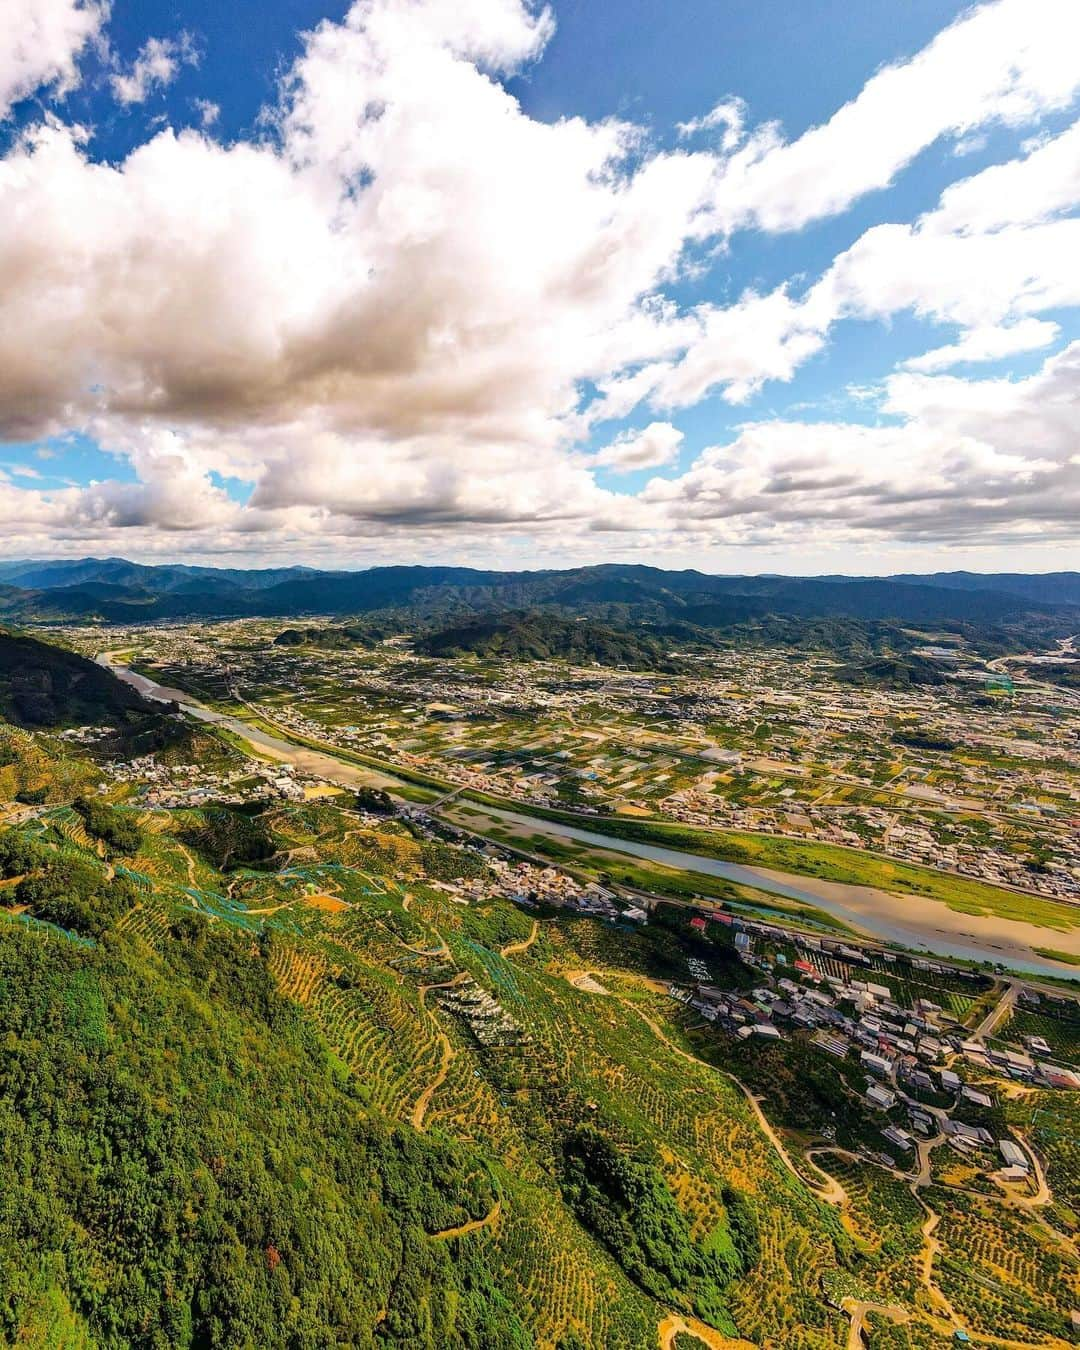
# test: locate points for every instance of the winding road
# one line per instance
(832, 1192)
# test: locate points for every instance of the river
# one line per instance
(313, 762)
(912, 921)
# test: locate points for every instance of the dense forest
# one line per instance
(545, 637)
(46, 686)
(892, 672)
(338, 636)
(186, 1165)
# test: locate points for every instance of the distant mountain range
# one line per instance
(113, 590)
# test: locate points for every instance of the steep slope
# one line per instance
(43, 685)
(327, 1098)
(169, 1123)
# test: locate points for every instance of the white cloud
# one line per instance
(1006, 63)
(208, 111)
(1039, 185)
(417, 261)
(384, 312)
(652, 446)
(155, 67)
(730, 114)
(968, 460)
(988, 344)
(761, 337)
(998, 249)
(43, 40)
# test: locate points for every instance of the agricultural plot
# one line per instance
(1059, 1029)
(955, 994)
(884, 1219)
(392, 950)
(1004, 1277)
(1051, 1122)
(565, 1283)
(148, 920)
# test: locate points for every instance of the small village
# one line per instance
(922, 1069)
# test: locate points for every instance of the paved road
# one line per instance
(999, 1012)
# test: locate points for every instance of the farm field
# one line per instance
(769, 760)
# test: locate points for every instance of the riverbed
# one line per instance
(313, 762)
(913, 921)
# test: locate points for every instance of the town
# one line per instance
(756, 742)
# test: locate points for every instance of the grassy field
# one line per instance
(1053, 954)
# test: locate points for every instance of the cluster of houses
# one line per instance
(187, 785)
(528, 883)
(908, 834)
(904, 1052)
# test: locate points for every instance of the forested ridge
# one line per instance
(543, 637)
(185, 1164)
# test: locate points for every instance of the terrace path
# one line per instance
(523, 946)
(472, 1226)
(999, 1012)
(670, 1327)
(419, 1111)
(858, 1311)
(831, 1192)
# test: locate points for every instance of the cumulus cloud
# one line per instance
(43, 40)
(407, 303)
(413, 257)
(964, 460)
(762, 337)
(729, 116)
(208, 111)
(652, 446)
(988, 344)
(155, 67)
(999, 248)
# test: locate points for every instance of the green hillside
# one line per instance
(892, 672)
(296, 1075)
(545, 637)
(249, 1099)
(46, 686)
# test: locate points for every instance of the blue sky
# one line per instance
(722, 283)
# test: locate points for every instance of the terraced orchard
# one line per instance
(302, 1076)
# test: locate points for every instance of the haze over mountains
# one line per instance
(115, 590)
